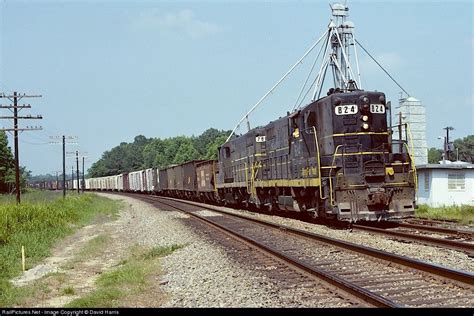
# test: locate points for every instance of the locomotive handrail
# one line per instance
(246, 178)
(412, 158)
(318, 156)
(410, 151)
(413, 169)
(330, 171)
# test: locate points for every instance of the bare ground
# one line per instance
(78, 260)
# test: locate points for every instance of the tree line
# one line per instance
(145, 152)
(7, 167)
(463, 148)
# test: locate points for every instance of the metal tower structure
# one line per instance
(338, 52)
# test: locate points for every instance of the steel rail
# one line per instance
(360, 292)
(438, 229)
(453, 274)
(452, 244)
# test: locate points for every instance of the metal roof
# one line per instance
(446, 166)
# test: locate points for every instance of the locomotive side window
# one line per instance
(311, 119)
(226, 152)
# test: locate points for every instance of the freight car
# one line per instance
(180, 180)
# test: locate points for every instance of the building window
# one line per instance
(427, 182)
(456, 182)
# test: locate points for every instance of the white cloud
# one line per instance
(183, 21)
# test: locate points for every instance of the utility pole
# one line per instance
(15, 98)
(447, 144)
(64, 138)
(77, 170)
(72, 177)
(83, 184)
(64, 166)
(77, 155)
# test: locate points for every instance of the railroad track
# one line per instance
(413, 232)
(376, 277)
(454, 238)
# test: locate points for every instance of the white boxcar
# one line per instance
(119, 180)
(136, 180)
(102, 184)
(150, 177)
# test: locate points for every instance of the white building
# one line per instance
(413, 113)
(446, 184)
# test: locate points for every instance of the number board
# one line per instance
(346, 109)
(377, 108)
(260, 139)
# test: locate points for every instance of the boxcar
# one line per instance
(87, 184)
(136, 180)
(175, 179)
(162, 181)
(150, 180)
(125, 182)
(205, 176)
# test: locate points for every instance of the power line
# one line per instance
(15, 108)
(382, 67)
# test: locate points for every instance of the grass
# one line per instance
(160, 251)
(69, 290)
(90, 250)
(94, 245)
(127, 279)
(37, 225)
(463, 214)
(35, 196)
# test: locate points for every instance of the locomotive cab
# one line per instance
(367, 179)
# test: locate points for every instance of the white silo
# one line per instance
(413, 113)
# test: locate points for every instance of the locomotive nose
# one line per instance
(378, 197)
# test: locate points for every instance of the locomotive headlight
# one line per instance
(365, 126)
(365, 118)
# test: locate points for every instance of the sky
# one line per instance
(111, 70)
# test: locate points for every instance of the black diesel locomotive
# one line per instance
(334, 158)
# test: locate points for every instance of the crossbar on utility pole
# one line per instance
(15, 98)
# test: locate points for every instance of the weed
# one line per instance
(68, 290)
(160, 251)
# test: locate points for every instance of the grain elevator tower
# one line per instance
(413, 113)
